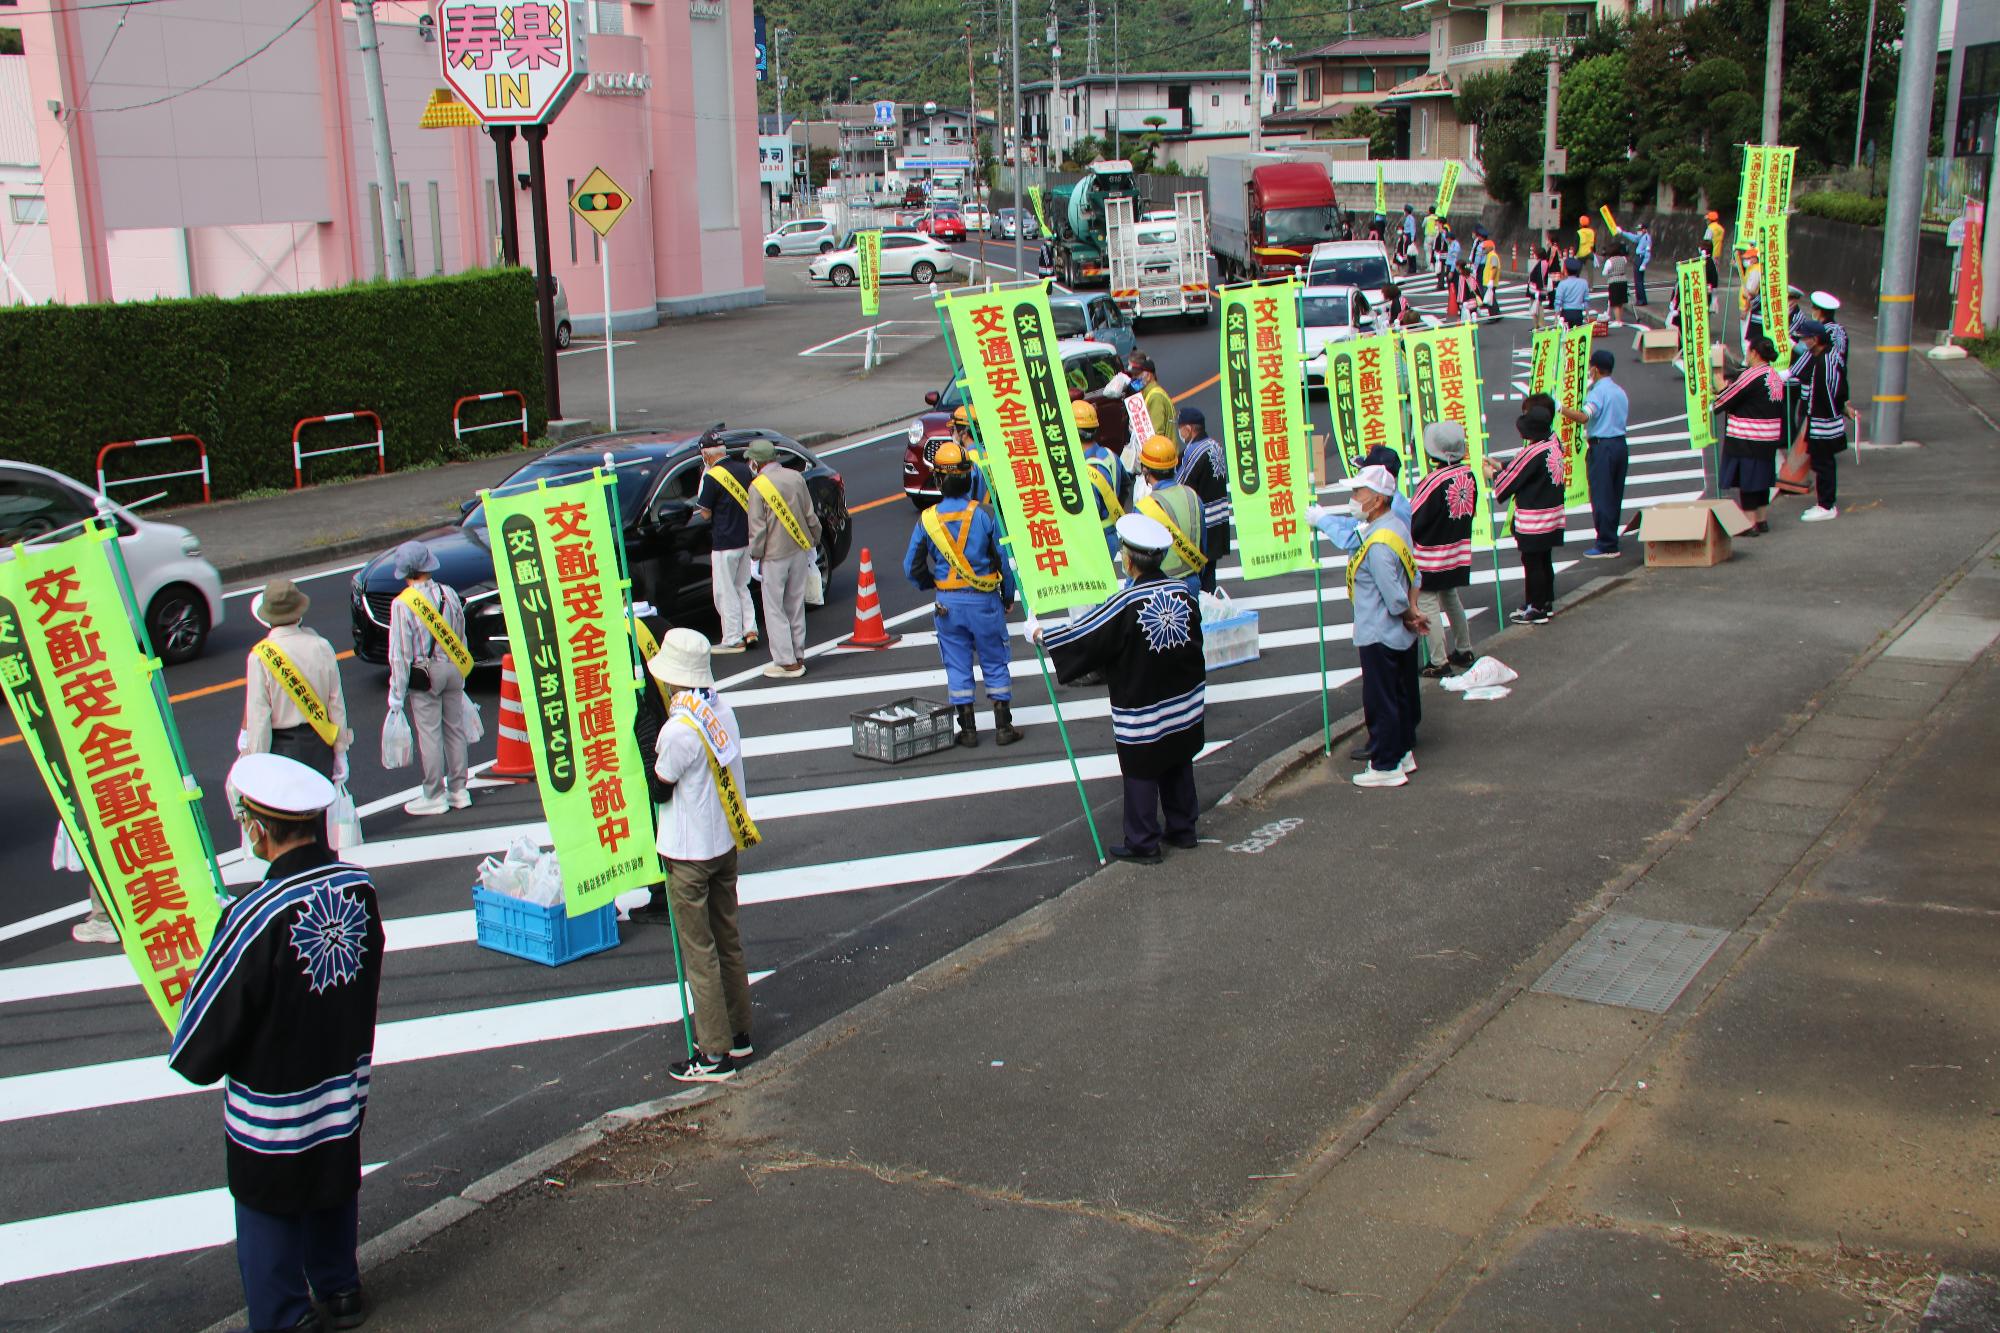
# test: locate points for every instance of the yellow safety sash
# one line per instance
(1113, 511)
(742, 829)
(440, 629)
(954, 551)
(1184, 548)
(293, 682)
(1389, 539)
(649, 648)
(727, 481)
(793, 527)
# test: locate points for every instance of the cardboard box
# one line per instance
(1691, 535)
(1657, 345)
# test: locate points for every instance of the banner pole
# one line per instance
(1312, 538)
(1041, 659)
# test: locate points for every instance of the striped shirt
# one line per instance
(1756, 400)
(1542, 453)
(410, 642)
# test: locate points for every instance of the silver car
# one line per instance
(801, 236)
(917, 259)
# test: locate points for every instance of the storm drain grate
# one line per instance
(1633, 962)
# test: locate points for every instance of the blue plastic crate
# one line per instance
(541, 934)
(1229, 642)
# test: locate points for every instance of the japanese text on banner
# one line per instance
(1691, 278)
(1365, 397)
(1777, 283)
(1967, 319)
(1544, 357)
(1444, 386)
(555, 559)
(1447, 187)
(868, 256)
(1265, 428)
(1005, 344)
(84, 698)
(1574, 378)
(1750, 193)
(1381, 192)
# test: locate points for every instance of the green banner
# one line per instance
(1365, 397)
(1041, 217)
(1264, 417)
(1381, 192)
(1544, 356)
(1764, 192)
(1777, 285)
(1692, 279)
(1447, 187)
(1444, 386)
(1005, 344)
(1574, 378)
(868, 257)
(557, 563)
(95, 720)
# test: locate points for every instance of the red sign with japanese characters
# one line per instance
(513, 64)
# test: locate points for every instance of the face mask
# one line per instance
(1355, 511)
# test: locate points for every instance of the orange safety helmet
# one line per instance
(961, 418)
(950, 458)
(1583, 221)
(1714, 216)
(1159, 454)
(1083, 414)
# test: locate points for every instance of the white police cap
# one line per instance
(1146, 535)
(270, 784)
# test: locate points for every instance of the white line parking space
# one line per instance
(579, 346)
(846, 345)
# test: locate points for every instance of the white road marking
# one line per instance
(881, 330)
(48, 918)
(298, 578)
(579, 346)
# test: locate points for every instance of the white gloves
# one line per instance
(1033, 629)
(1314, 513)
(242, 741)
(339, 767)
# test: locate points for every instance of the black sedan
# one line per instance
(666, 541)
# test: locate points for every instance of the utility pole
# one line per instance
(1090, 42)
(1058, 105)
(1989, 248)
(1549, 125)
(1861, 113)
(1774, 61)
(1117, 129)
(1256, 8)
(1020, 159)
(385, 160)
(972, 116)
(1910, 140)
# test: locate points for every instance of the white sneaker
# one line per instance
(94, 930)
(792, 672)
(1408, 763)
(1819, 514)
(729, 646)
(426, 805)
(460, 800)
(1375, 777)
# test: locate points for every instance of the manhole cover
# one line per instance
(1633, 962)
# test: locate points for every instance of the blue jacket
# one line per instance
(1642, 247)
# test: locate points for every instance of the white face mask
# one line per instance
(1355, 511)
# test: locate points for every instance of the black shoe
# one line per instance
(652, 912)
(1461, 660)
(347, 1310)
(740, 1047)
(1435, 671)
(1186, 844)
(1540, 615)
(1522, 615)
(1004, 730)
(1764, 526)
(1118, 851)
(703, 1069)
(1361, 751)
(968, 732)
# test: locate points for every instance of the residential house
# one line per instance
(1195, 112)
(1353, 72)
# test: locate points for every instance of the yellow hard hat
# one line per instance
(1083, 414)
(1159, 454)
(961, 418)
(949, 458)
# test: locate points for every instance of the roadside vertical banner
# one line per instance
(1447, 187)
(1750, 193)
(1544, 356)
(868, 257)
(556, 564)
(1444, 386)
(1967, 319)
(1365, 397)
(1041, 217)
(1778, 183)
(1005, 343)
(1264, 418)
(1573, 378)
(1692, 280)
(95, 720)
(1777, 286)
(1381, 192)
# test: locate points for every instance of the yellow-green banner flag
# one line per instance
(1574, 377)
(868, 256)
(95, 721)
(1041, 217)
(1544, 357)
(1444, 386)
(1381, 192)
(1005, 346)
(1264, 420)
(1447, 187)
(1365, 398)
(1692, 280)
(1750, 193)
(555, 559)
(1777, 286)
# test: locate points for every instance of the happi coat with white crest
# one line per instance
(1146, 642)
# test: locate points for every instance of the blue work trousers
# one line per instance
(1639, 282)
(1606, 463)
(971, 626)
(286, 1258)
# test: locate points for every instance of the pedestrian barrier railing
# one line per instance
(299, 456)
(104, 484)
(460, 431)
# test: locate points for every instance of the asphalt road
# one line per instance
(115, 1216)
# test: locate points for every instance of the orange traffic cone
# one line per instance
(869, 632)
(513, 761)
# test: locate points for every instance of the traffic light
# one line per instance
(606, 202)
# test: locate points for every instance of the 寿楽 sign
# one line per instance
(513, 64)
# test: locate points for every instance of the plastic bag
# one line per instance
(545, 885)
(470, 721)
(815, 585)
(63, 855)
(398, 748)
(343, 823)
(1485, 671)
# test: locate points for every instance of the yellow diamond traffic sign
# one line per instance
(599, 201)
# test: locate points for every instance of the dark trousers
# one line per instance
(303, 744)
(1391, 702)
(1215, 544)
(1826, 472)
(1606, 462)
(1145, 798)
(1639, 282)
(1572, 318)
(1538, 573)
(286, 1258)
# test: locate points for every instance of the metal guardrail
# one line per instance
(104, 485)
(299, 456)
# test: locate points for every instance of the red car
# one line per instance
(943, 225)
(1087, 365)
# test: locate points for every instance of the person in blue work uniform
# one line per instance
(955, 551)
(1641, 242)
(1381, 590)
(1109, 480)
(1603, 416)
(1176, 508)
(1572, 294)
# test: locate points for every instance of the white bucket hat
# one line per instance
(683, 660)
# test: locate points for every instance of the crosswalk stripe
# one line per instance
(122, 1082)
(119, 1233)
(44, 981)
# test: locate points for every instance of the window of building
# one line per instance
(1246, 99)
(1978, 101)
(1309, 85)
(27, 208)
(1576, 23)
(1357, 80)
(1215, 99)
(1404, 73)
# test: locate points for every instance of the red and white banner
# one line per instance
(1967, 320)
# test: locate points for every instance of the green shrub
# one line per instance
(241, 372)
(1843, 206)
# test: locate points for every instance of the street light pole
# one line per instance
(1861, 112)
(370, 44)
(1256, 8)
(1909, 142)
(1014, 55)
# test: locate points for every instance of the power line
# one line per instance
(220, 74)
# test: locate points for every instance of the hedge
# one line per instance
(240, 372)
(1843, 206)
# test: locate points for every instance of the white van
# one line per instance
(1363, 265)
